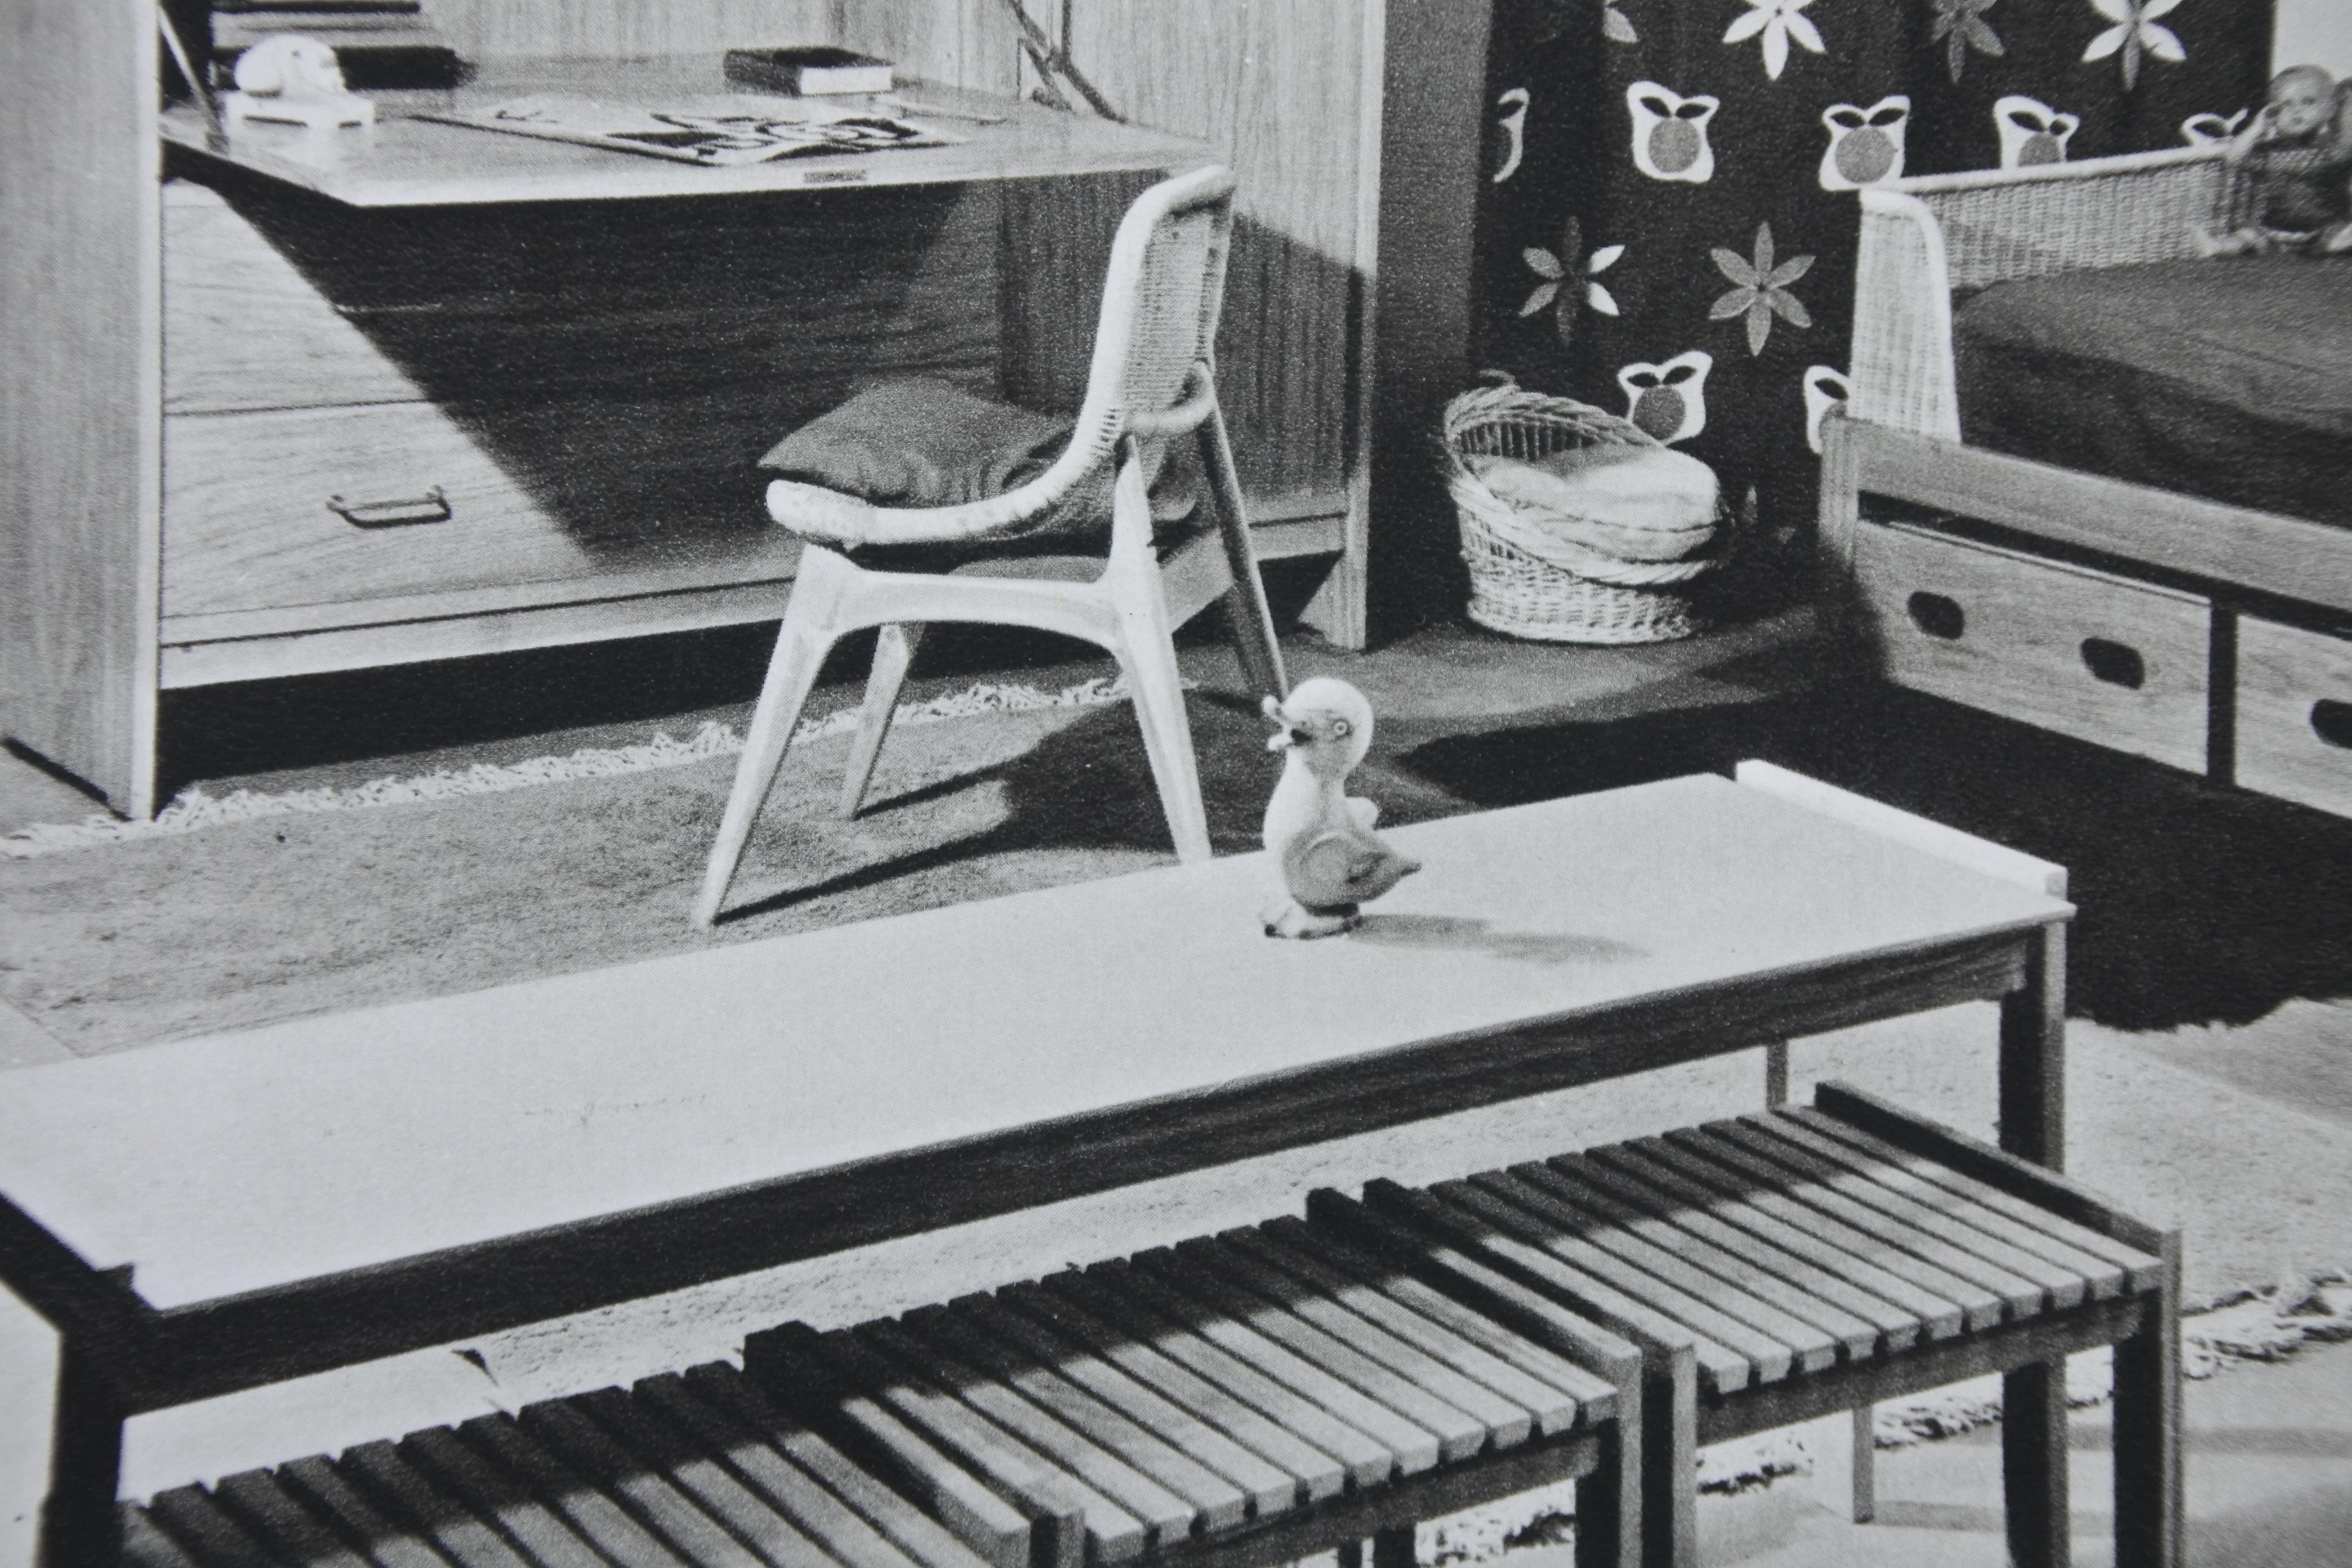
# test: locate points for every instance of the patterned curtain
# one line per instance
(1668, 223)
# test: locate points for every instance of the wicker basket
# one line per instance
(1530, 577)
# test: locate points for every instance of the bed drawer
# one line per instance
(2097, 656)
(2294, 714)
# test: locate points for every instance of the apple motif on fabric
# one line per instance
(1670, 138)
(2031, 133)
(1865, 144)
(1668, 401)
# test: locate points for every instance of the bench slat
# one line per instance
(1500, 1422)
(1948, 1305)
(1227, 1323)
(2101, 1280)
(1546, 1367)
(994, 1419)
(323, 1488)
(1927, 1256)
(2061, 1288)
(497, 1496)
(1765, 1358)
(454, 1529)
(1312, 1473)
(1723, 1369)
(1894, 1328)
(2142, 1269)
(205, 1532)
(676, 1455)
(1260, 1486)
(779, 1484)
(832, 1498)
(256, 1501)
(1549, 1409)
(587, 1508)
(659, 1504)
(1368, 1457)
(1208, 1499)
(144, 1544)
(943, 1450)
(1759, 1299)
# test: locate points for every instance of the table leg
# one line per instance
(2033, 1127)
(30, 1351)
(2148, 1453)
(2034, 1056)
(1393, 1548)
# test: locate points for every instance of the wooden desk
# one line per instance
(217, 1214)
(403, 161)
(577, 356)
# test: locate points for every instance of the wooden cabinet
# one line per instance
(256, 429)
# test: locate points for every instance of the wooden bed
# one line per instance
(2210, 637)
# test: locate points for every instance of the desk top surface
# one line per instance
(245, 1161)
(403, 161)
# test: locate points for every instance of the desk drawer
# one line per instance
(2294, 714)
(248, 521)
(2118, 663)
(436, 502)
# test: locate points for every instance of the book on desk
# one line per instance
(809, 70)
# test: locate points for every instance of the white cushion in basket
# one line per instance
(1639, 502)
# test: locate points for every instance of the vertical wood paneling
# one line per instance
(1277, 90)
(79, 416)
(968, 43)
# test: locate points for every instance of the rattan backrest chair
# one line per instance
(1151, 378)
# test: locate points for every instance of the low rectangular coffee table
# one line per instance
(196, 1218)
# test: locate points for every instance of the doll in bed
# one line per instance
(2292, 166)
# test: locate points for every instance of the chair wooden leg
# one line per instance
(894, 650)
(1247, 618)
(1146, 657)
(812, 624)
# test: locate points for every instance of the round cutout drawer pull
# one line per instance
(1936, 616)
(2331, 721)
(433, 506)
(2115, 663)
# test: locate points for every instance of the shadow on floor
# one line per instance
(2199, 905)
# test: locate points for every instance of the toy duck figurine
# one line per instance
(1331, 861)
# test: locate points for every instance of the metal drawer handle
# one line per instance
(2332, 721)
(2116, 663)
(433, 506)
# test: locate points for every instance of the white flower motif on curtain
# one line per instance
(1557, 286)
(1780, 21)
(1761, 289)
(2136, 33)
(1960, 26)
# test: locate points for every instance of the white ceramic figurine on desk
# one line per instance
(1331, 861)
(290, 79)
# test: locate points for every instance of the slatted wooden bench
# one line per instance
(1250, 1399)
(1788, 1265)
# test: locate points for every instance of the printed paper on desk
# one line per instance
(723, 137)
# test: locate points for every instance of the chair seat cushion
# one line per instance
(914, 441)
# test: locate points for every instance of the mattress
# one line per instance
(2229, 378)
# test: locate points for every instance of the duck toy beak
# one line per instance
(1284, 736)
